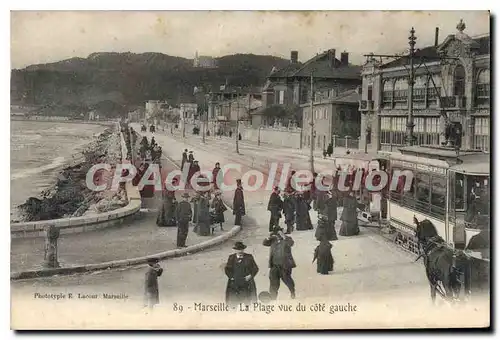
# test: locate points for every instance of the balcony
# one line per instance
(366, 105)
(453, 102)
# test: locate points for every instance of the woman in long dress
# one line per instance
(303, 221)
(219, 208)
(324, 257)
(349, 217)
(203, 223)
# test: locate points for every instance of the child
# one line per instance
(219, 208)
(323, 253)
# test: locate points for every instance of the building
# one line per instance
(459, 88)
(189, 112)
(155, 109)
(204, 61)
(291, 85)
(335, 115)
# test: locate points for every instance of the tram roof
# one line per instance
(442, 153)
(365, 156)
(474, 166)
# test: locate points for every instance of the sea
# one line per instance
(39, 150)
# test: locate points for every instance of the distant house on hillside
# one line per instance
(204, 61)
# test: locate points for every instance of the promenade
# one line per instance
(137, 237)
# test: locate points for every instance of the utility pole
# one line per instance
(311, 155)
(410, 138)
(202, 120)
(237, 124)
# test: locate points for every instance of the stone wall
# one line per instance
(273, 136)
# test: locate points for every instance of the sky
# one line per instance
(49, 36)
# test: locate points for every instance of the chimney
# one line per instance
(436, 37)
(344, 58)
(294, 57)
(331, 57)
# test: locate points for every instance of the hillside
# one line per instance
(117, 82)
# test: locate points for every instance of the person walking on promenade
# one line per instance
(215, 176)
(349, 217)
(219, 208)
(275, 206)
(238, 203)
(195, 200)
(323, 253)
(184, 158)
(303, 218)
(240, 270)
(183, 215)
(203, 221)
(290, 183)
(289, 205)
(151, 292)
(330, 210)
(281, 262)
(190, 157)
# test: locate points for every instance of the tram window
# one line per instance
(422, 191)
(438, 195)
(459, 191)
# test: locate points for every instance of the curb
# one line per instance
(127, 262)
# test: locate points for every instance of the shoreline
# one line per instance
(66, 196)
(55, 119)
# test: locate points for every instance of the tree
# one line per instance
(289, 113)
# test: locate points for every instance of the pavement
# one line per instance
(136, 237)
(383, 280)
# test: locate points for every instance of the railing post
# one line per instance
(346, 139)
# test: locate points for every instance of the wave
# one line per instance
(56, 162)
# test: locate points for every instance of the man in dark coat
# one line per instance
(275, 206)
(215, 176)
(184, 158)
(323, 253)
(151, 293)
(183, 215)
(281, 262)
(289, 206)
(349, 217)
(240, 271)
(238, 203)
(166, 215)
(190, 157)
(195, 200)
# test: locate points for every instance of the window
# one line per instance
(419, 89)
(401, 90)
(422, 186)
(458, 183)
(387, 93)
(459, 81)
(370, 92)
(438, 196)
(483, 88)
(482, 133)
(282, 97)
(393, 130)
(427, 130)
(433, 89)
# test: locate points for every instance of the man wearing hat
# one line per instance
(184, 214)
(240, 271)
(281, 262)
(151, 293)
(191, 157)
(184, 158)
(274, 206)
(238, 203)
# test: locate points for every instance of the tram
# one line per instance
(450, 190)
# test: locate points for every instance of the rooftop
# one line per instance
(320, 67)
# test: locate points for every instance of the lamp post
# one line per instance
(258, 137)
(237, 123)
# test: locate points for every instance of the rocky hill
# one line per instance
(114, 83)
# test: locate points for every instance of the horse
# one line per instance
(444, 267)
